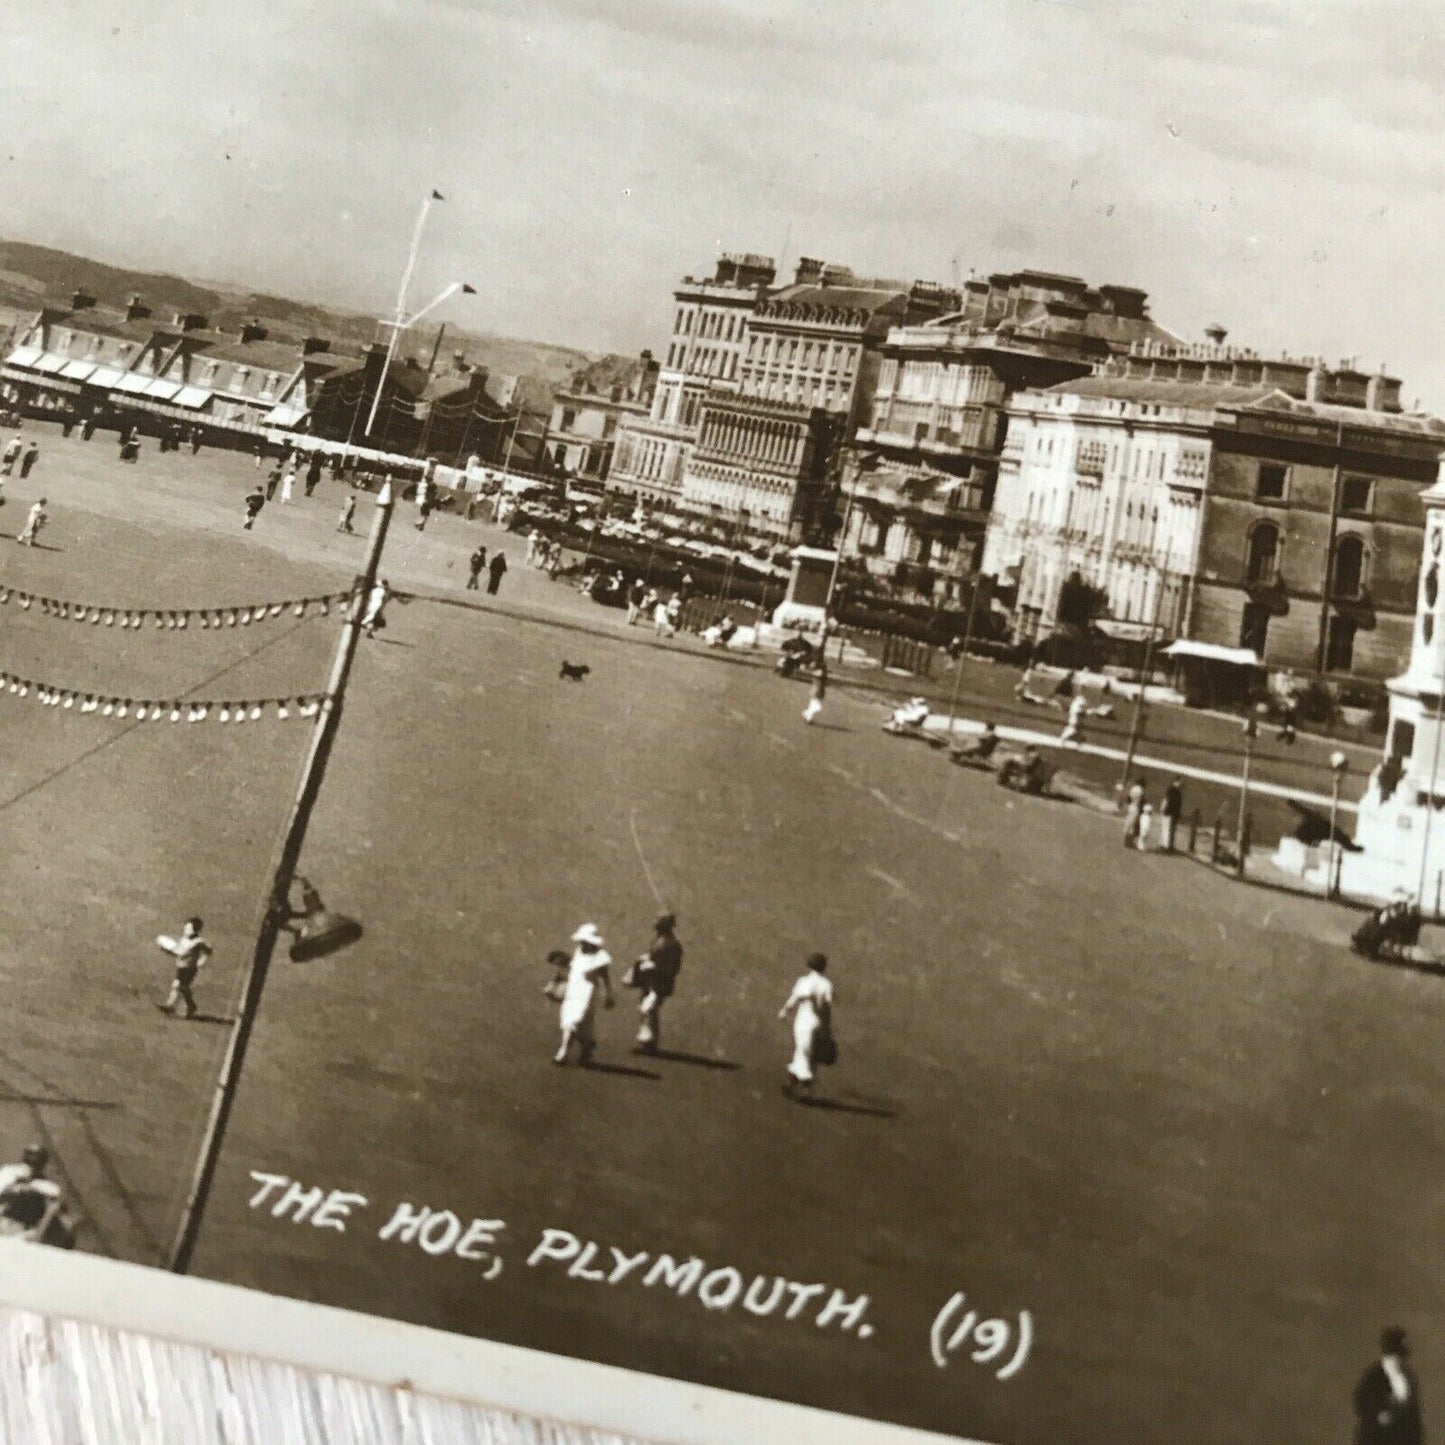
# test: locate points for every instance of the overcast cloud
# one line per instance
(1276, 167)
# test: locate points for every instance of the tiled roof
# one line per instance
(1165, 392)
(1411, 423)
(850, 298)
(99, 322)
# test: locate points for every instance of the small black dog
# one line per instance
(574, 671)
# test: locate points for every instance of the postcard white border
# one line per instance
(387, 1352)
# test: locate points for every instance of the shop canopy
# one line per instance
(1212, 652)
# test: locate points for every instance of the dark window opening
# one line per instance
(1271, 482)
(1356, 494)
(1340, 644)
(1262, 563)
(1254, 628)
(1349, 567)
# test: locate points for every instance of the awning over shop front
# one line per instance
(49, 362)
(77, 370)
(1212, 652)
(45, 383)
(284, 415)
(162, 390)
(24, 356)
(104, 376)
(192, 396)
(130, 382)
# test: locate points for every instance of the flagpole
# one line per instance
(396, 325)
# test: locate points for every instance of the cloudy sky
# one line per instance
(1276, 167)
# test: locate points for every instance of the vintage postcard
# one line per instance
(745, 693)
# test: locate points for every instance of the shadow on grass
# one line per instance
(701, 1061)
(626, 1070)
(843, 1106)
(55, 1101)
(209, 1019)
(1432, 967)
(830, 728)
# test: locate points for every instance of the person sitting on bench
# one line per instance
(979, 749)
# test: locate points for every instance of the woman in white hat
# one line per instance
(586, 974)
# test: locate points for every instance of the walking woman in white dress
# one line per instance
(811, 1005)
(587, 975)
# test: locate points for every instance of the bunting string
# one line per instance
(145, 709)
(172, 618)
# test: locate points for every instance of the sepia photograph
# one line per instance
(743, 690)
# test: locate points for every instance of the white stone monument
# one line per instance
(805, 607)
(1401, 821)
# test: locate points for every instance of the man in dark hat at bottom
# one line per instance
(655, 973)
(1387, 1399)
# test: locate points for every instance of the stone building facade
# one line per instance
(808, 365)
(936, 421)
(710, 320)
(588, 415)
(1268, 503)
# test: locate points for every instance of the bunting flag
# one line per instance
(133, 709)
(173, 619)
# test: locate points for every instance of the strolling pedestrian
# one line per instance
(27, 462)
(534, 537)
(554, 560)
(288, 483)
(191, 952)
(1144, 840)
(255, 500)
(1133, 811)
(195, 441)
(313, 472)
(684, 590)
(1074, 725)
(820, 691)
(475, 563)
(33, 523)
(1387, 1397)
(87, 429)
(348, 512)
(811, 1006)
(655, 976)
(273, 479)
(1172, 811)
(496, 570)
(11, 455)
(635, 594)
(662, 619)
(588, 977)
(372, 619)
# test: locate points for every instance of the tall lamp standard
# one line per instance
(278, 913)
(402, 321)
(1339, 766)
(1251, 731)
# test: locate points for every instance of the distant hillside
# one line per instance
(32, 276)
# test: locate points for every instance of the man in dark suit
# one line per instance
(655, 974)
(1387, 1399)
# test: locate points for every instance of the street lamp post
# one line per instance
(1251, 731)
(1339, 766)
(278, 908)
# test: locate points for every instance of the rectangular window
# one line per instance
(1340, 644)
(1254, 628)
(569, 419)
(1356, 495)
(1271, 482)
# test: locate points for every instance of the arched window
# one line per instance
(1349, 571)
(1262, 560)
